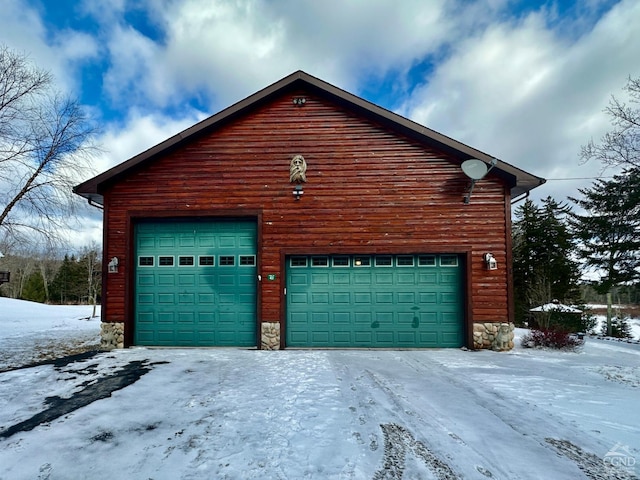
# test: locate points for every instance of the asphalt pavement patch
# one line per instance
(97, 390)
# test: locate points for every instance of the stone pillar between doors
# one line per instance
(493, 335)
(270, 336)
(111, 335)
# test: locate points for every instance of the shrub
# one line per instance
(620, 327)
(565, 321)
(551, 338)
(588, 320)
(572, 322)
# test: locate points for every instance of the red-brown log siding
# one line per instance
(369, 190)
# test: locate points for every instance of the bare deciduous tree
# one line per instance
(90, 257)
(45, 149)
(620, 146)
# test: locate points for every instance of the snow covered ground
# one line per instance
(30, 332)
(318, 414)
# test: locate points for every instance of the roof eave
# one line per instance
(520, 181)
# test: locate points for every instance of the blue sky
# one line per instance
(525, 81)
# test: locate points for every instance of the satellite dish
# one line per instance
(474, 169)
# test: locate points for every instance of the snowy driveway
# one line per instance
(238, 414)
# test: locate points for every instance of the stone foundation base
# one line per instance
(112, 335)
(489, 335)
(270, 336)
(493, 335)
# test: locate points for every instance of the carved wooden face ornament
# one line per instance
(298, 169)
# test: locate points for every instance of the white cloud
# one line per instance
(75, 46)
(138, 133)
(87, 230)
(105, 11)
(119, 143)
(227, 50)
(528, 89)
(23, 31)
(531, 96)
(131, 73)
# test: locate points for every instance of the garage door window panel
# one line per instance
(360, 261)
(247, 260)
(426, 260)
(227, 261)
(206, 261)
(165, 261)
(319, 261)
(448, 260)
(384, 261)
(298, 262)
(186, 261)
(340, 261)
(405, 261)
(145, 261)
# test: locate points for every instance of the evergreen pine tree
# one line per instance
(543, 264)
(609, 229)
(68, 286)
(620, 327)
(33, 289)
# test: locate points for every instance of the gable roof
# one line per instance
(520, 181)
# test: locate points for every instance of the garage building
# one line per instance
(304, 216)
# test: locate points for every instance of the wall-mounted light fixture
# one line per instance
(490, 261)
(299, 101)
(298, 192)
(113, 265)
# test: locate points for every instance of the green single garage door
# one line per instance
(195, 283)
(387, 301)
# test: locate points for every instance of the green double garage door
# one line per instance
(195, 283)
(388, 301)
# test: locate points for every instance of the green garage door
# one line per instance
(195, 283)
(374, 301)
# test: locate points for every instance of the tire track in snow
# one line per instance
(398, 440)
(590, 464)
